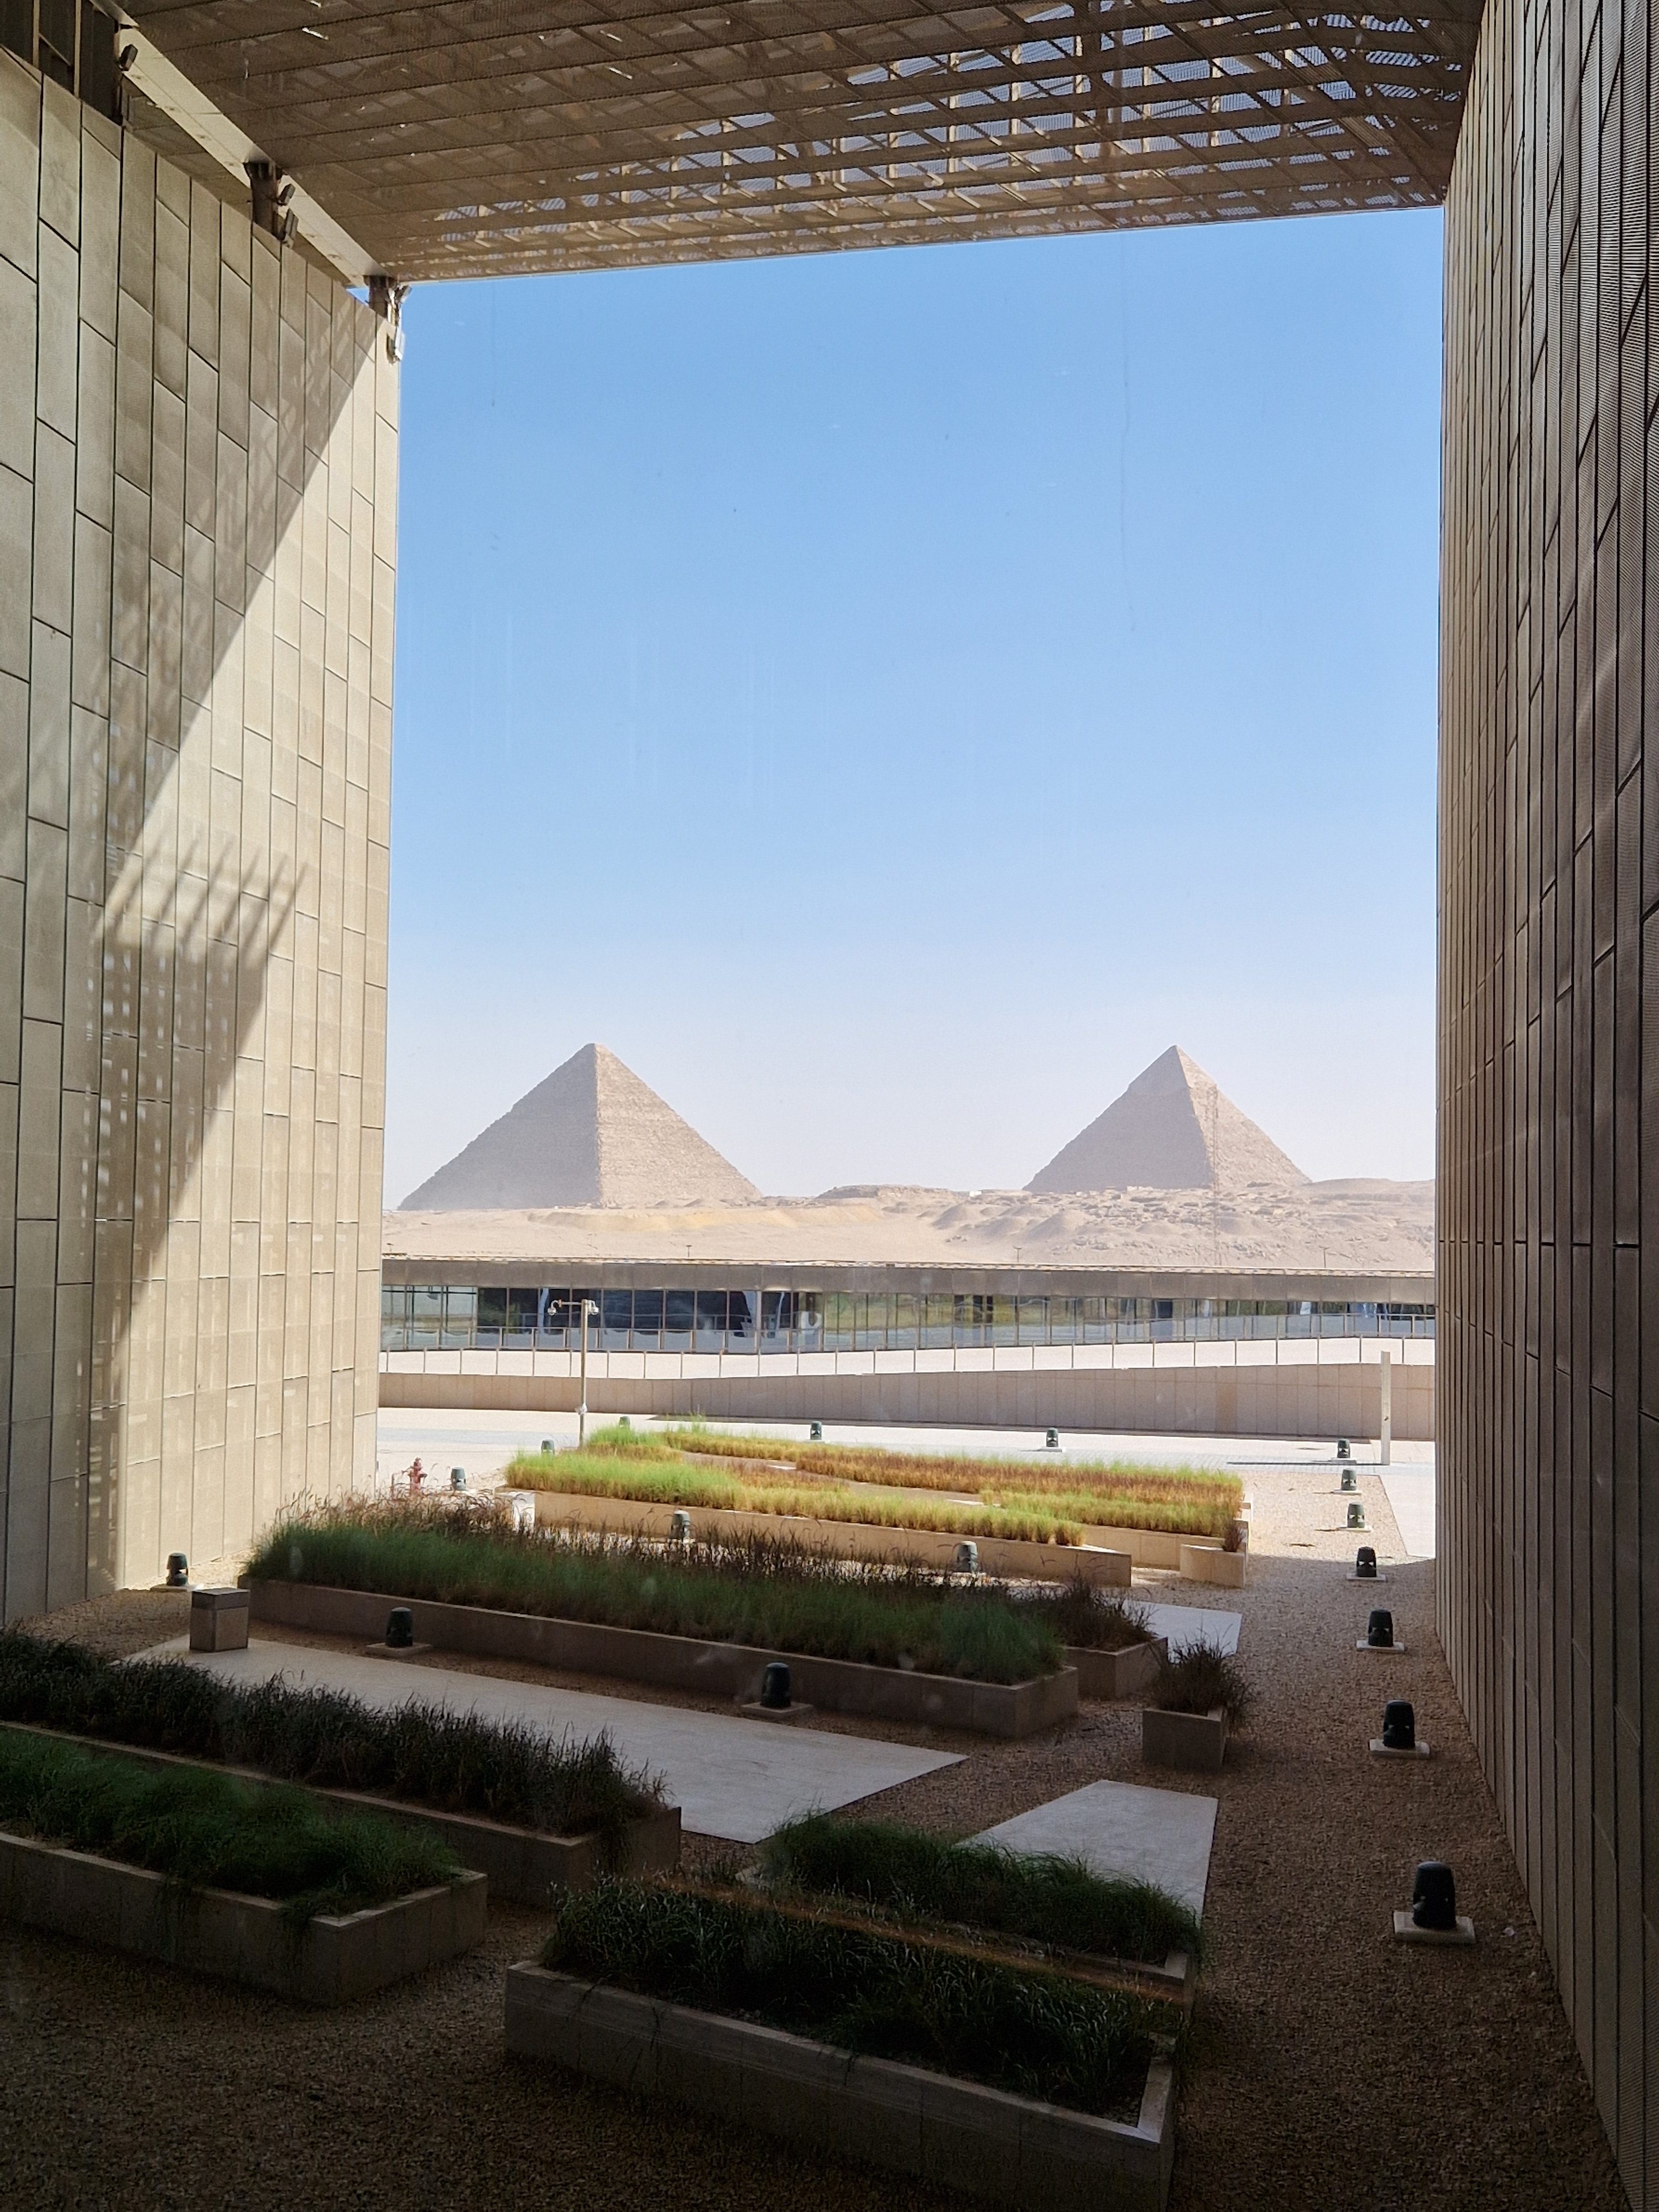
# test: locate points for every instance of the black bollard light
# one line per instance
(1350, 1479)
(1051, 1440)
(458, 1478)
(679, 1529)
(548, 1447)
(1434, 1898)
(775, 1687)
(967, 1562)
(1344, 1449)
(1399, 1725)
(815, 1433)
(1355, 1513)
(399, 1629)
(178, 1571)
(1379, 1631)
(1364, 1564)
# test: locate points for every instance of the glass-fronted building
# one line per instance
(723, 1318)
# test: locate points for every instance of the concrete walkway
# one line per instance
(1195, 1623)
(1410, 1491)
(1126, 1832)
(733, 1779)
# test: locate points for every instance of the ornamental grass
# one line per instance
(424, 1754)
(1045, 1504)
(1044, 1899)
(1090, 1618)
(674, 1481)
(211, 1831)
(773, 1593)
(1199, 1678)
(1032, 2033)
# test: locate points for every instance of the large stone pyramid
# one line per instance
(1172, 1129)
(591, 1134)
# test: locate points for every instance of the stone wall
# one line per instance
(1548, 1310)
(197, 479)
(1328, 1400)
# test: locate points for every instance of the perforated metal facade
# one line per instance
(494, 136)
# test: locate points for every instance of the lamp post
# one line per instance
(589, 1306)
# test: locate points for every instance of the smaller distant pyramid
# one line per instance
(1172, 1129)
(591, 1134)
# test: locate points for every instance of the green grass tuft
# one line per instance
(1033, 2034)
(1199, 1678)
(1041, 1898)
(770, 1593)
(453, 1762)
(210, 1830)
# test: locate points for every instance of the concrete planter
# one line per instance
(1007, 2150)
(1196, 1742)
(523, 1864)
(849, 1539)
(1108, 1674)
(329, 1960)
(681, 1662)
(1208, 1563)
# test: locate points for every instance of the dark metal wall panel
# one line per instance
(1547, 1304)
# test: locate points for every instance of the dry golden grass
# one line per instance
(1054, 1505)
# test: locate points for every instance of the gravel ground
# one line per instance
(123, 2085)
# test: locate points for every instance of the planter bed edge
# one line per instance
(334, 1959)
(1109, 1675)
(1196, 1742)
(681, 1662)
(1009, 2150)
(523, 1864)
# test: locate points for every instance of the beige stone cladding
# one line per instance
(198, 482)
(1548, 1312)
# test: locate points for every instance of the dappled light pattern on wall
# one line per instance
(195, 728)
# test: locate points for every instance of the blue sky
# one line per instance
(888, 697)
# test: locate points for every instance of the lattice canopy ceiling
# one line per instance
(477, 137)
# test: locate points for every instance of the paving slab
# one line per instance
(1122, 1830)
(729, 1779)
(1410, 1492)
(1193, 1623)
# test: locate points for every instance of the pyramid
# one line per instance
(1172, 1129)
(591, 1134)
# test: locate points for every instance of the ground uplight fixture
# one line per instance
(775, 1687)
(1355, 1513)
(967, 1560)
(1344, 1449)
(1051, 1440)
(1379, 1631)
(815, 1434)
(399, 1629)
(1434, 1897)
(1364, 1564)
(1399, 1725)
(1350, 1479)
(679, 1527)
(178, 1571)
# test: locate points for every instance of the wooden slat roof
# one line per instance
(480, 138)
